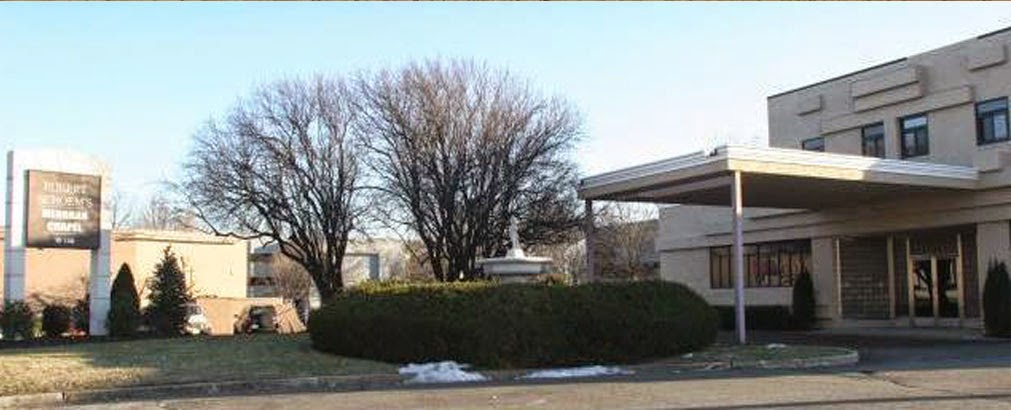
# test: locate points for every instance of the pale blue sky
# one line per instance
(131, 82)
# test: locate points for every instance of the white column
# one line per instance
(959, 279)
(589, 231)
(737, 204)
(910, 282)
(99, 285)
(891, 276)
(15, 260)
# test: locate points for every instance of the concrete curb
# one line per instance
(370, 382)
(845, 359)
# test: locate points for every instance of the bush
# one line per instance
(997, 301)
(803, 302)
(16, 320)
(167, 311)
(514, 325)
(124, 309)
(55, 320)
(757, 318)
(81, 314)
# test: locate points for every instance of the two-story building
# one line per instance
(890, 185)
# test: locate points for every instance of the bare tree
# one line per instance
(283, 165)
(120, 208)
(627, 240)
(163, 213)
(459, 149)
(291, 281)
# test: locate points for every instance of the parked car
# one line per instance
(256, 319)
(196, 322)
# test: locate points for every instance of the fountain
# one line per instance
(515, 266)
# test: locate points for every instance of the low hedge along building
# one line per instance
(515, 325)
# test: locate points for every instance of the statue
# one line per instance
(515, 266)
(514, 235)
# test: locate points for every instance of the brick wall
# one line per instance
(864, 278)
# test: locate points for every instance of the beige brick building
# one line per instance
(891, 186)
(214, 266)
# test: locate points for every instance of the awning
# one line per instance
(775, 178)
(739, 177)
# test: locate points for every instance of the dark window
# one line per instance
(874, 140)
(814, 144)
(915, 140)
(766, 265)
(991, 121)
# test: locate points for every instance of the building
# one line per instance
(214, 266)
(891, 186)
(364, 260)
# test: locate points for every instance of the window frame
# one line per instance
(926, 136)
(767, 264)
(981, 117)
(803, 144)
(878, 143)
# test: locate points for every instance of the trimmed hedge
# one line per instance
(514, 325)
(803, 302)
(17, 320)
(997, 301)
(55, 320)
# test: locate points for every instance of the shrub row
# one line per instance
(514, 325)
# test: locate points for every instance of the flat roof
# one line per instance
(776, 178)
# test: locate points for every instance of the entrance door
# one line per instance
(935, 295)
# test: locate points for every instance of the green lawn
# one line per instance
(162, 361)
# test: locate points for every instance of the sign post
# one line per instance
(57, 199)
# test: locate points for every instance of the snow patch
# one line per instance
(440, 372)
(585, 371)
(775, 346)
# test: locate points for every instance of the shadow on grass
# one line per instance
(145, 362)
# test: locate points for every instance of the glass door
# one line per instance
(935, 289)
(923, 285)
(947, 289)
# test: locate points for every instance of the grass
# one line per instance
(734, 353)
(169, 361)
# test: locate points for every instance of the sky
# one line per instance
(132, 82)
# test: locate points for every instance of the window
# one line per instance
(814, 144)
(914, 136)
(991, 121)
(874, 140)
(766, 265)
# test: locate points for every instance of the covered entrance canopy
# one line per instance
(768, 177)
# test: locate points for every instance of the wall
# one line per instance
(391, 254)
(691, 268)
(212, 267)
(215, 266)
(864, 275)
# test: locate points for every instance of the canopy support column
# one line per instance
(737, 204)
(589, 231)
